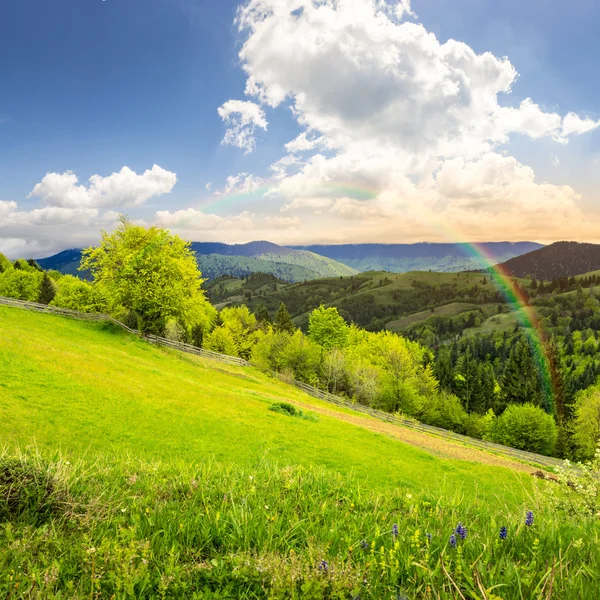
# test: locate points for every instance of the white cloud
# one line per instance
(399, 131)
(574, 125)
(122, 189)
(242, 118)
(282, 222)
(191, 219)
(71, 214)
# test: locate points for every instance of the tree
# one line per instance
(327, 328)
(262, 315)
(76, 294)
(467, 379)
(47, 290)
(22, 284)
(151, 272)
(283, 320)
(586, 423)
(526, 427)
(520, 380)
(4, 263)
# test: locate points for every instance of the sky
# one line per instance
(299, 121)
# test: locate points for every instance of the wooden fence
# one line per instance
(530, 457)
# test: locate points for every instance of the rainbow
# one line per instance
(501, 278)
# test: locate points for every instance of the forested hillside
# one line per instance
(401, 258)
(237, 260)
(561, 259)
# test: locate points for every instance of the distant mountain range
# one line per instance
(400, 258)
(215, 259)
(561, 259)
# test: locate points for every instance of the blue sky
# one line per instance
(93, 86)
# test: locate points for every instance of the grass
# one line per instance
(89, 387)
(152, 474)
(447, 310)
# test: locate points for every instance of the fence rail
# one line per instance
(530, 457)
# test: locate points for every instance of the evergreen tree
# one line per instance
(467, 379)
(520, 380)
(262, 314)
(444, 372)
(283, 320)
(47, 290)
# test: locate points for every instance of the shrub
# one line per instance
(285, 409)
(586, 424)
(526, 427)
(477, 426)
(27, 492)
(445, 410)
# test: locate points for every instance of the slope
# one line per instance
(561, 259)
(89, 387)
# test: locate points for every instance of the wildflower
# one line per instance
(428, 536)
(529, 518)
(364, 545)
(324, 566)
(395, 530)
(461, 531)
(452, 541)
(503, 533)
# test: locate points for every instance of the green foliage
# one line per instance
(586, 423)
(29, 493)
(444, 410)
(283, 321)
(77, 294)
(48, 289)
(327, 328)
(526, 427)
(20, 283)
(478, 426)
(4, 263)
(520, 381)
(151, 272)
(220, 339)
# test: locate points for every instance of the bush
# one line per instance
(27, 492)
(445, 410)
(526, 427)
(290, 410)
(586, 424)
(477, 426)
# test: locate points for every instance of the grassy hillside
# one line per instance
(95, 388)
(374, 296)
(162, 475)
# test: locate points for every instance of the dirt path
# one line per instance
(436, 445)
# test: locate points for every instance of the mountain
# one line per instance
(66, 261)
(216, 259)
(561, 259)
(425, 256)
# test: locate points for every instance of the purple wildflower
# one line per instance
(365, 545)
(324, 566)
(503, 533)
(452, 541)
(529, 518)
(428, 535)
(461, 531)
(395, 530)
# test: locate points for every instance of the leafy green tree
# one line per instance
(283, 320)
(586, 423)
(467, 379)
(327, 328)
(242, 327)
(4, 263)
(220, 340)
(526, 427)
(76, 294)
(151, 272)
(444, 410)
(47, 290)
(20, 284)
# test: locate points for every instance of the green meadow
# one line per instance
(131, 471)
